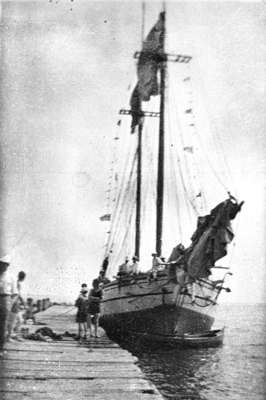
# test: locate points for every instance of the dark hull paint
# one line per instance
(172, 319)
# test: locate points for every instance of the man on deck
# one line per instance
(123, 268)
(157, 265)
(133, 268)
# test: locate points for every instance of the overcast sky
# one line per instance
(65, 69)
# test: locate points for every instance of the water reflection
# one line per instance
(178, 373)
(235, 371)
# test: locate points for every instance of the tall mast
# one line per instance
(138, 194)
(160, 176)
(139, 164)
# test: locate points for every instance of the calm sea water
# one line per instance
(235, 371)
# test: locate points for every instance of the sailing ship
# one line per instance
(178, 295)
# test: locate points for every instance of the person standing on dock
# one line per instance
(82, 313)
(94, 309)
(84, 286)
(15, 318)
(7, 292)
(31, 309)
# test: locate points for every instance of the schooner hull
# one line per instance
(142, 307)
(163, 320)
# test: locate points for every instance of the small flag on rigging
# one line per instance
(105, 217)
(189, 149)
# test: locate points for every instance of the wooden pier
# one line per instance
(67, 370)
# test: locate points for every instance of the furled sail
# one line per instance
(210, 240)
(149, 61)
(147, 71)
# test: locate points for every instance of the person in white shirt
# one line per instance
(123, 268)
(157, 265)
(15, 317)
(133, 268)
(8, 291)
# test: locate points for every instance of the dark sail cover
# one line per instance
(210, 240)
(149, 59)
(136, 112)
(147, 68)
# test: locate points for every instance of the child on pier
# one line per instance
(82, 313)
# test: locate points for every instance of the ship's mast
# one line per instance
(138, 194)
(160, 174)
(139, 164)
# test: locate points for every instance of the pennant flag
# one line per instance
(188, 111)
(136, 112)
(189, 149)
(187, 79)
(149, 59)
(106, 217)
(199, 194)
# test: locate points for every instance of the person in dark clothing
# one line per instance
(82, 313)
(95, 296)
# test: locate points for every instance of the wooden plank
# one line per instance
(80, 396)
(87, 368)
(77, 351)
(64, 357)
(69, 374)
(74, 385)
(69, 362)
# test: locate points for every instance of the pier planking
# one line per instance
(66, 370)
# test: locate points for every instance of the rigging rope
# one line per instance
(120, 223)
(113, 181)
(121, 200)
(187, 151)
(218, 148)
(173, 106)
(122, 191)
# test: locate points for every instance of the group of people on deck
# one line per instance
(174, 266)
(128, 268)
(158, 263)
